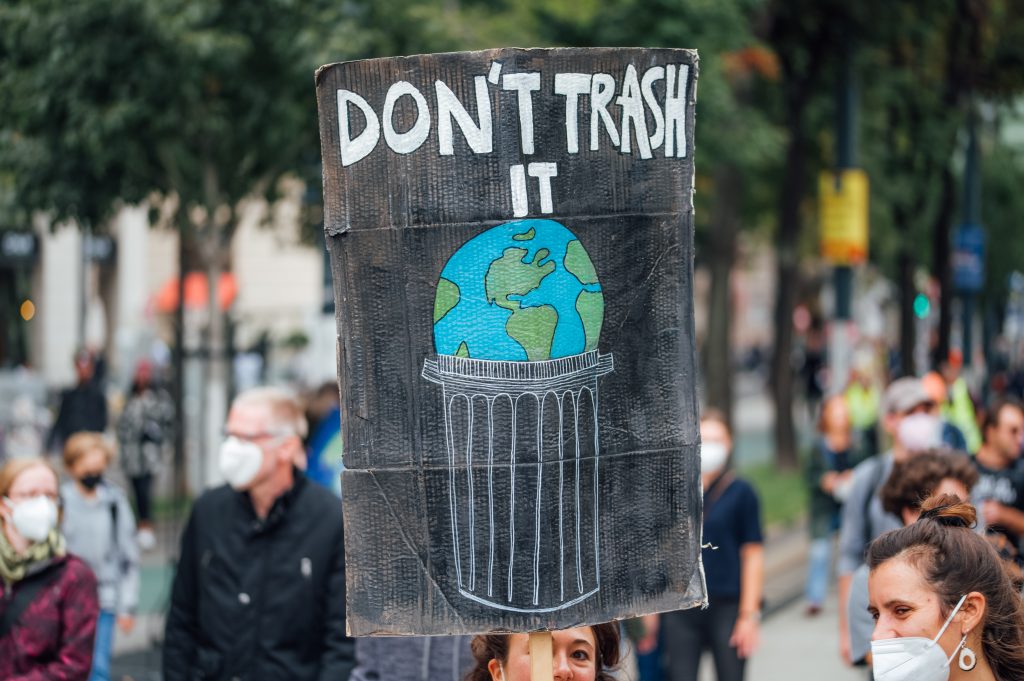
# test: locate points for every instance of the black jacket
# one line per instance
(83, 407)
(260, 600)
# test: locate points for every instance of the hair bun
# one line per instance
(949, 510)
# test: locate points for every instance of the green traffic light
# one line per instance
(922, 306)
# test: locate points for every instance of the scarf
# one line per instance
(16, 566)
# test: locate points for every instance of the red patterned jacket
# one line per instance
(53, 638)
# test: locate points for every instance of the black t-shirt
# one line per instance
(731, 519)
(1005, 486)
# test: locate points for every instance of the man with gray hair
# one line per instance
(259, 591)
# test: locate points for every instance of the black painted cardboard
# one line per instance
(545, 481)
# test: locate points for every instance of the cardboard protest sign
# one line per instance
(511, 239)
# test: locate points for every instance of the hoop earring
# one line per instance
(967, 659)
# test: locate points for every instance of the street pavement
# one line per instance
(798, 648)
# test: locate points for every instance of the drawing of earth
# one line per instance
(521, 291)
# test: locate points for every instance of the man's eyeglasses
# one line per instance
(25, 496)
(256, 437)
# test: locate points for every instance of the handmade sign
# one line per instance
(511, 239)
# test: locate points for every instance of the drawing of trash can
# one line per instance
(517, 319)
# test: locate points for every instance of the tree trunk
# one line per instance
(216, 388)
(943, 266)
(718, 365)
(907, 319)
(180, 472)
(786, 289)
(219, 227)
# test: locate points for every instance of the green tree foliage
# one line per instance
(81, 85)
(1002, 209)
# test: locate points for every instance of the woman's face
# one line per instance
(574, 657)
(93, 462)
(31, 482)
(904, 605)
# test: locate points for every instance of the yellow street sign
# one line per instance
(843, 215)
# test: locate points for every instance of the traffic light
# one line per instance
(922, 306)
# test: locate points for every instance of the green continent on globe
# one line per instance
(590, 306)
(579, 264)
(510, 275)
(531, 327)
(534, 329)
(445, 299)
(463, 350)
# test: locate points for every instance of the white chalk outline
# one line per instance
(470, 379)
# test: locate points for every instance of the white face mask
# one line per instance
(913, 658)
(34, 518)
(240, 461)
(920, 432)
(713, 456)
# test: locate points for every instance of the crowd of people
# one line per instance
(924, 521)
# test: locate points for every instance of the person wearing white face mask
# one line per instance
(863, 517)
(262, 566)
(48, 601)
(944, 603)
(733, 567)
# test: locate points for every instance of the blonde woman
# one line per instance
(48, 604)
(100, 528)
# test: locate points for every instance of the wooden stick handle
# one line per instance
(542, 657)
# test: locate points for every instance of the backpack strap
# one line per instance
(876, 482)
(716, 489)
(113, 526)
(25, 594)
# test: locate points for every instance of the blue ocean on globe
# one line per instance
(520, 291)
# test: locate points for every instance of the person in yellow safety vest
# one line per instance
(958, 409)
(863, 401)
(935, 386)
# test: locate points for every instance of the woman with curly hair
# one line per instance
(944, 604)
(579, 654)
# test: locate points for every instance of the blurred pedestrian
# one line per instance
(733, 569)
(143, 432)
(643, 634)
(944, 604)
(581, 654)
(25, 434)
(259, 591)
(323, 446)
(863, 399)
(959, 407)
(82, 408)
(48, 603)
(863, 517)
(100, 529)
(829, 474)
(1000, 491)
(935, 386)
(932, 473)
(815, 367)
(412, 658)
